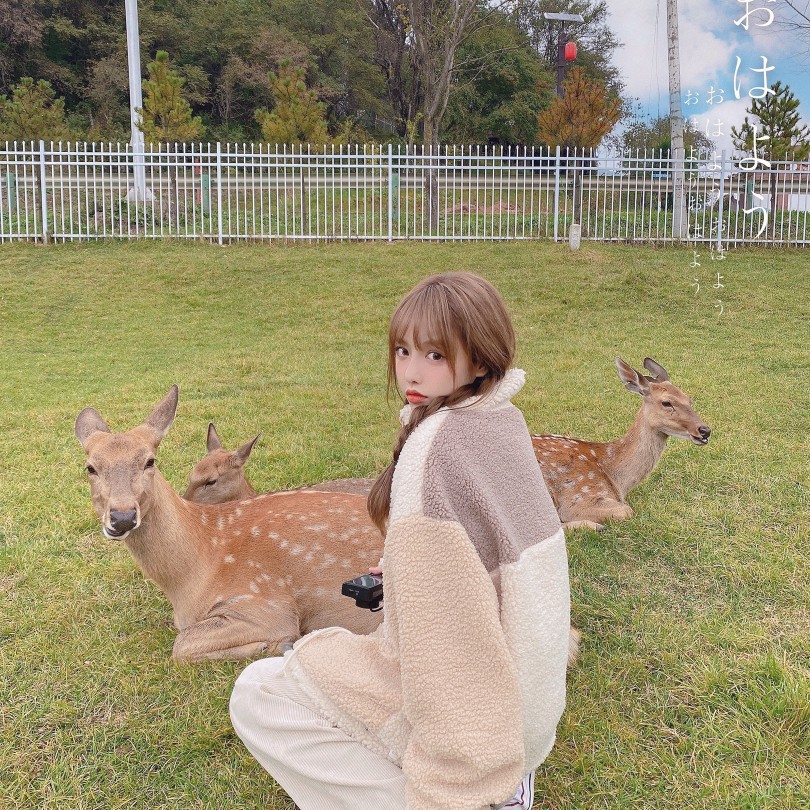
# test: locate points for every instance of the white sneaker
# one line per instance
(524, 795)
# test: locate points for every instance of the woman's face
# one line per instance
(424, 373)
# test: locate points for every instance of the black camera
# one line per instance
(367, 591)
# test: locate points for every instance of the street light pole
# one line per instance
(561, 61)
(139, 190)
(575, 231)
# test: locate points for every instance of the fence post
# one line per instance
(219, 191)
(304, 192)
(391, 192)
(556, 191)
(720, 202)
(11, 187)
(42, 191)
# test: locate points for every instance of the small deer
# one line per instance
(244, 578)
(589, 481)
(219, 476)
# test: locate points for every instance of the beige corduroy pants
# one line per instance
(318, 765)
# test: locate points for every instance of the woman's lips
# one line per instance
(414, 397)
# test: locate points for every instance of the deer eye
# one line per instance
(210, 482)
(149, 464)
(91, 470)
(666, 403)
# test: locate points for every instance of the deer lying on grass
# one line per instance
(244, 578)
(220, 475)
(589, 481)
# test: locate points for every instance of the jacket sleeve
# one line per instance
(459, 684)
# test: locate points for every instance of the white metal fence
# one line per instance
(229, 192)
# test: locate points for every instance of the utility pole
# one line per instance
(139, 190)
(678, 154)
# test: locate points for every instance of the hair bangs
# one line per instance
(425, 317)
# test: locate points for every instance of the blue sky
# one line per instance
(710, 45)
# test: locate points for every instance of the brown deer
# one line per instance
(244, 578)
(220, 475)
(589, 481)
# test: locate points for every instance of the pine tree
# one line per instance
(166, 116)
(581, 117)
(298, 116)
(777, 117)
(32, 113)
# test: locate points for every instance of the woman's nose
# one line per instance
(412, 370)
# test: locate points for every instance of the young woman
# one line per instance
(454, 701)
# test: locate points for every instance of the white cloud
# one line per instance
(709, 44)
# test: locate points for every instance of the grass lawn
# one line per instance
(693, 687)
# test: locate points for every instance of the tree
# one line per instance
(581, 117)
(795, 19)
(655, 136)
(340, 63)
(775, 136)
(778, 119)
(32, 113)
(298, 116)
(500, 86)
(437, 28)
(417, 49)
(392, 54)
(578, 119)
(166, 116)
(21, 26)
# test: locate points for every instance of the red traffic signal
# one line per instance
(570, 52)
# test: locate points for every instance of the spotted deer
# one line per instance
(589, 481)
(219, 476)
(244, 578)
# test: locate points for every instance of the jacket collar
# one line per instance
(501, 395)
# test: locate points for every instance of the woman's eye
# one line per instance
(401, 351)
(435, 356)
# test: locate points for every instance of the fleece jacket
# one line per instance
(463, 684)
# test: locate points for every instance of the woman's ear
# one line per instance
(481, 371)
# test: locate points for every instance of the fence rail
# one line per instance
(230, 192)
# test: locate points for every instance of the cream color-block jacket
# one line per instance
(464, 682)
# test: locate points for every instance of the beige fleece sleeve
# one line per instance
(459, 684)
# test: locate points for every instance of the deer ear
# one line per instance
(213, 442)
(633, 381)
(658, 371)
(243, 453)
(161, 418)
(89, 422)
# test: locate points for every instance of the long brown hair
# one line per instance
(457, 312)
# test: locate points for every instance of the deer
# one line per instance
(219, 476)
(244, 578)
(589, 481)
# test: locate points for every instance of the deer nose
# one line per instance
(121, 522)
(704, 431)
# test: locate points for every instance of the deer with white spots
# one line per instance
(244, 578)
(219, 476)
(589, 481)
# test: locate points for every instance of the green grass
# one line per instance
(692, 690)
